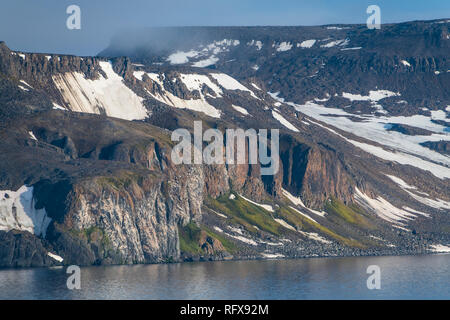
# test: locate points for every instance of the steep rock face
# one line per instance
(139, 230)
(22, 249)
(37, 67)
(130, 218)
(245, 178)
(127, 218)
(313, 173)
(324, 178)
(216, 180)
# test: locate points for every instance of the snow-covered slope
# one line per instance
(107, 95)
(203, 90)
(402, 148)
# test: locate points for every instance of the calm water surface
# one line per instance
(408, 277)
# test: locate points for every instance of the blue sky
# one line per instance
(40, 25)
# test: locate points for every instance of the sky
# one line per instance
(40, 25)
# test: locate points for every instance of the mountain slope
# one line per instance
(86, 147)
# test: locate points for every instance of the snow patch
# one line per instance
(235, 230)
(237, 237)
(271, 243)
(295, 200)
(230, 83)
(439, 248)
(285, 224)
(192, 82)
(374, 95)
(337, 28)
(25, 83)
(264, 206)
(258, 44)
(405, 63)
(195, 82)
(272, 255)
(57, 106)
(208, 52)
(108, 94)
(307, 43)
(342, 42)
(284, 46)
(240, 109)
(18, 212)
(383, 208)
(276, 96)
(303, 214)
(243, 239)
(437, 203)
(206, 62)
(403, 158)
(401, 183)
(283, 121)
(32, 135)
(315, 236)
(415, 211)
(55, 257)
(219, 214)
(258, 88)
(181, 57)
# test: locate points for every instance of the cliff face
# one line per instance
(22, 249)
(130, 219)
(314, 173)
(38, 67)
(134, 217)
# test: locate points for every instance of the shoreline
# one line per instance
(231, 260)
